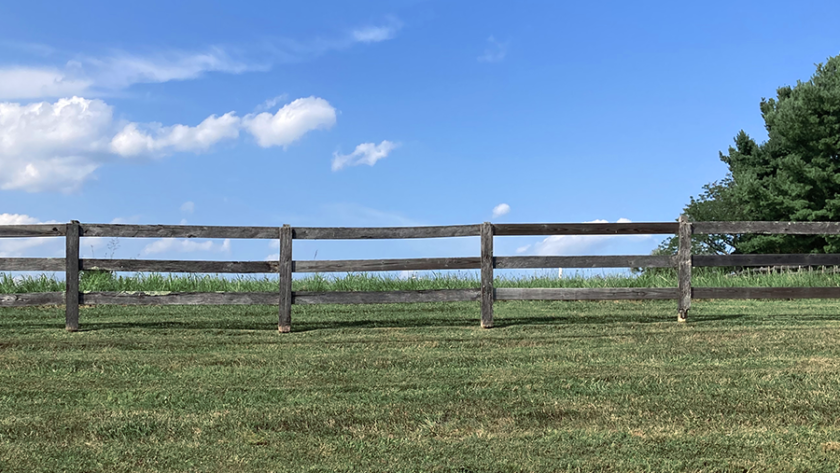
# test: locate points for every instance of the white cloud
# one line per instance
(23, 83)
(273, 257)
(185, 246)
(291, 122)
(122, 70)
(365, 153)
(52, 146)
(10, 247)
(188, 207)
(495, 52)
(159, 140)
(501, 209)
(58, 146)
(373, 34)
(579, 244)
(17, 219)
(105, 75)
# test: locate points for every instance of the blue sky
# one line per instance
(382, 114)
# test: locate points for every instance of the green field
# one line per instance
(556, 386)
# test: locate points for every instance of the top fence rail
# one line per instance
(790, 228)
(450, 231)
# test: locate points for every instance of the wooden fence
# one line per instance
(72, 264)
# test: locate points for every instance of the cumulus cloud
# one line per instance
(57, 146)
(185, 246)
(188, 207)
(365, 153)
(501, 209)
(496, 50)
(291, 122)
(52, 145)
(578, 244)
(155, 139)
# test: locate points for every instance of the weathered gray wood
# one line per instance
(766, 260)
(389, 297)
(791, 228)
(71, 275)
(632, 228)
(284, 324)
(684, 268)
(168, 266)
(180, 298)
(38, 230)
(487, 293)
(409, 264)
(273, 298)
(619, 261)
(176, 231)
(586, 294)
(32, 264)
(349, 233)
(31, 299)
(766, 292)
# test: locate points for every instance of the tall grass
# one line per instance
(702, 277)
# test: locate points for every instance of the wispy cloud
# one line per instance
(374, 34)
(271, 103)
(97, 76)
(101, 75)
(188, 207)
(365, 153)
(496, 50)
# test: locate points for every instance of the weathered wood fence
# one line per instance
(72, 264)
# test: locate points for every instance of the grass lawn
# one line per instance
(556, 386)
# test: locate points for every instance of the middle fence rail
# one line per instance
(284, 298)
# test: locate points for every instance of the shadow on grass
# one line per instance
(337, 317)
(301, 326)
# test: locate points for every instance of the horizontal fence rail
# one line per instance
(285, 266)
(782, 228)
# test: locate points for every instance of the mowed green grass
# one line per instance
(556, 386)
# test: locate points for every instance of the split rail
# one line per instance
(284, 298)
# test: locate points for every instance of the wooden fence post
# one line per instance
(284, 324)
(487, 293)
(684, 268)
(71, 277)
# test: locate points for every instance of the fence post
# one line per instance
(71, 277)
(487, 293)
(684, 268)
(284, 324)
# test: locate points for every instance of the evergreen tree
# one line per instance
(793, 176)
